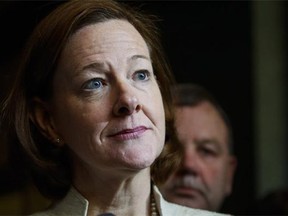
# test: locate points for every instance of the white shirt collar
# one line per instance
(75, 204)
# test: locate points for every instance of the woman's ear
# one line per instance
(42, 118)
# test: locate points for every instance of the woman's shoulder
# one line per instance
(72, 204)
(170, 209)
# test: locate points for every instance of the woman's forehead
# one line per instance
(102, 43)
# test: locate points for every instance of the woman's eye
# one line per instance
(94, 83)
(141, 75)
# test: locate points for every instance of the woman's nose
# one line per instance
(127, 102)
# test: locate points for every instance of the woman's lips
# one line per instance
(128, 134)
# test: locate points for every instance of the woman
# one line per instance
(87, 109)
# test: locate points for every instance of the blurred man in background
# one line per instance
(205, 176)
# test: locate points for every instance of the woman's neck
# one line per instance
(116, 194)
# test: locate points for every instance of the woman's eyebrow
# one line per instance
(95, 66)
(100, 66)
(140, 56)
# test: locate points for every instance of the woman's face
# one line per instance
(106, 104)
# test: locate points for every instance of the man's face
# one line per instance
(205, 176)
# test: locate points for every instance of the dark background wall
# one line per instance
(207, 42)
